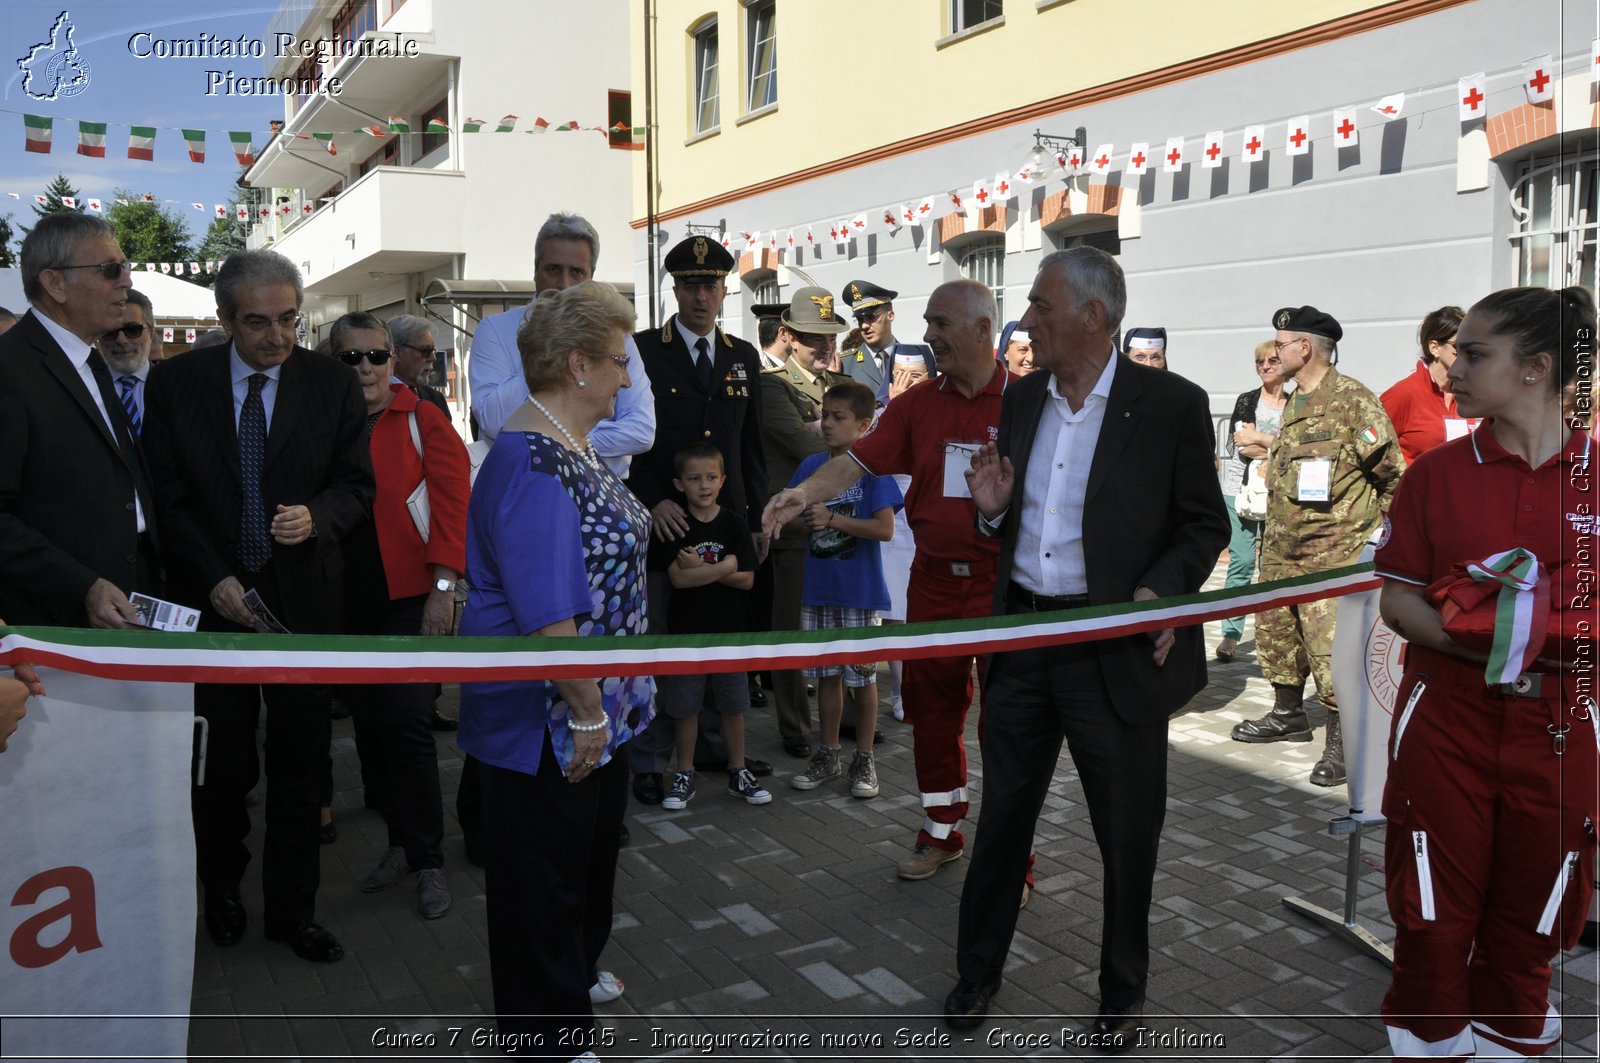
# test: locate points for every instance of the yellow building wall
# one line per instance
(854, 75)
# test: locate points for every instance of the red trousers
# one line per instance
(1490, 857)
(936, 693)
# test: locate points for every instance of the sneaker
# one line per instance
(863, 775)
(433, 896)
(823, 767)
(742, 784)
(390, 870)
(897, 708)
(607, 987)
(682, 791)
(924, 861)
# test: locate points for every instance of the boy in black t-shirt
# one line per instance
(711, 569)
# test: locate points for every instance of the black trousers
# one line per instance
(1037, 698)
(551, 873)
(399, 760)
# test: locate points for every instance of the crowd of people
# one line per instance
(681, 480)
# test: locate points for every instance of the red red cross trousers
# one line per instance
(1472, 98)
(1254, 147)
(1138, 160)
(1298, 137)
(1539, 80)
(1346, 127)
(1174, 157)
(1213, 150)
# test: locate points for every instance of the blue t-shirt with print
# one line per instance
(841, 569)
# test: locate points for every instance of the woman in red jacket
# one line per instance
(401, 582)
(1490, 794)
(1421, 406)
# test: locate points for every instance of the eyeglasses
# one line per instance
(132, 330)
(354, 357)
(258, 323)
(1279, 346)
(109, 270)
(431, 352)
(618, 360)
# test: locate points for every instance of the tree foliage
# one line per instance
(8, 254)
(54, 194)
(148, 232)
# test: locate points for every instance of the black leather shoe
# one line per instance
(757, 695)
(797, 747)
(309, 941)
(441, 722)
(1116, 1029)
(328, 833)
(623, 837)
(759, 768)
(647, 788)
(225, 915)
(968, 1004)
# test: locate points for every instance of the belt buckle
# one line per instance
(1526, 685)
(961, 568)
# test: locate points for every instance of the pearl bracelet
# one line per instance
(588, 728)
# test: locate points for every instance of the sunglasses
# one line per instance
(372, 357)
(109, 270)
(132, 330)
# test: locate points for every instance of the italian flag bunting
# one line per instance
(507, 124)
(327, 142)
(195, 141)
(38, 132)
(472, 125)
(398, 124)
(437, 125)
(373, 131)
(142, 142)
(539, 126)
(242, 149)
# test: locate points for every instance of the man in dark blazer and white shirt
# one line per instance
(77, 517)
(1102, 489)
(264, 405)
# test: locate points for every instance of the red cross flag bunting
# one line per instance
(810, 239)
(980, 192)
(220, 210)
(1003, 188)
(1594, 59)
(772, 240)
(1100, 161)
(1074, 163)
(1298, 139)
(891, 217)
(1254, 146)
(727, 241)
(1025, 175)
(955, 199)
(841, 233)
(924, 210)
(1345, 134)
(1211, 154)
(908, 215)
(242, 212)
(1172, 161)
(858, 224)
(1390, 106)
(752, 241)
(1470, 99)
(788, 239)
(1138, 158)
(1538, 77)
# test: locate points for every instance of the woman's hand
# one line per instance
(587, 749)
(439, 612)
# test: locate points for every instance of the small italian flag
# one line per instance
(472, 125)
(568, 127)
(195, 141)
(92, 139)
(373, 131)
(437, 125)
(242, 149)
(507, 124)
(327, 142)
(38, 132)
(142, 142)
(398, 124)
(539, 126)
(1369, 435)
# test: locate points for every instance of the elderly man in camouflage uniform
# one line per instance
(1330, 476)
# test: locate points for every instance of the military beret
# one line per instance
(811, 310)
(1145, 339)
(864, 295)
(699, 258)
(1307, 319)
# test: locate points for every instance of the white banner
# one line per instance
(99, 871)
(1366, 674)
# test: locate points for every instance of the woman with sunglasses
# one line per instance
(399, 581)
(1490, 795)
(1421, 406)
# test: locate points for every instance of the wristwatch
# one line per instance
(442, 585)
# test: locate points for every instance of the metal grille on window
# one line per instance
(765, 292)
(1554, 204)
(763, 58)
(986, 264)
(707, 115)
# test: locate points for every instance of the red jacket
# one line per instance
(408, 561)
(1419, 411)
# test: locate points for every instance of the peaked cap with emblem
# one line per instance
(763, 311)
(1307, 319)
(811, 310)
(864, 295)
(699, 258)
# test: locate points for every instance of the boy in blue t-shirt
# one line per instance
(844, 586)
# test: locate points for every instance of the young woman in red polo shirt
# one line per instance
(1491, 789)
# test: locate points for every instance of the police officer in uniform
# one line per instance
(874, 361)
(705, 385)
(1330, 477)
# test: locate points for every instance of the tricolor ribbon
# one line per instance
(1520, 612)
(165, 657)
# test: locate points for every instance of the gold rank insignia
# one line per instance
(855, 294)
(701, 250)
(824, 306)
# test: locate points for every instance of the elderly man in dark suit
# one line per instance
(77, 516)
(261, 468)
(1102, 491)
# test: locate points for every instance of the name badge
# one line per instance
(1316, 474)
(957, 460)
(1456, 427)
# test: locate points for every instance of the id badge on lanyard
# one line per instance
(1314, 481)
(957, 460)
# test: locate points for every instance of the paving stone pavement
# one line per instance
(785, 927)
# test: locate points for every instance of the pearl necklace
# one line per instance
(584, 450)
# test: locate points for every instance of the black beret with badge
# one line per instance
(699, 258)
(1307, 319)
(864, 295)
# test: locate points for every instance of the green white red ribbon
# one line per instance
(1521, 612)
(164, 657)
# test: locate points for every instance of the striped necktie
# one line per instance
(128, 385)
(255, 542)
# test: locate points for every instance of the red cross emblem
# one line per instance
(1346, 127)
(888, 217)
(1539, 80)
(1075, 159)
(1174, 157)
(983, 194)
(1102, 162)
(1298, 138)
(1213, 150)
(1138, 161)
(1003, 187)
(1254, 147)
(955, 200)
(1472, 99)
(924, 207)
(1386, 110)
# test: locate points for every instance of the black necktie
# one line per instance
(115, 413)
(255, 546)
(703, 363)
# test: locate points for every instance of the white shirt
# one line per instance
(1049, 555)
(691, 339)
(241, 374)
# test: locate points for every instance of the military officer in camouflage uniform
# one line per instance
(1330, 476)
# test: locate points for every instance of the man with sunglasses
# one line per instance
(261, 471)
(126, 350)
(77, 512)
(875, 362)
(1330, 476)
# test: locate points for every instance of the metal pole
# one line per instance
(650, 155)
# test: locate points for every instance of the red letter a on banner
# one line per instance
(82, 935)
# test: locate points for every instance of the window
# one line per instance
(764, 290)
(355, 19)
(985, 262)
(762, 60)
(706, 115)
(965, 14)
(433, 141)
(619, 109)
(386, 155)
(1553, 204)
